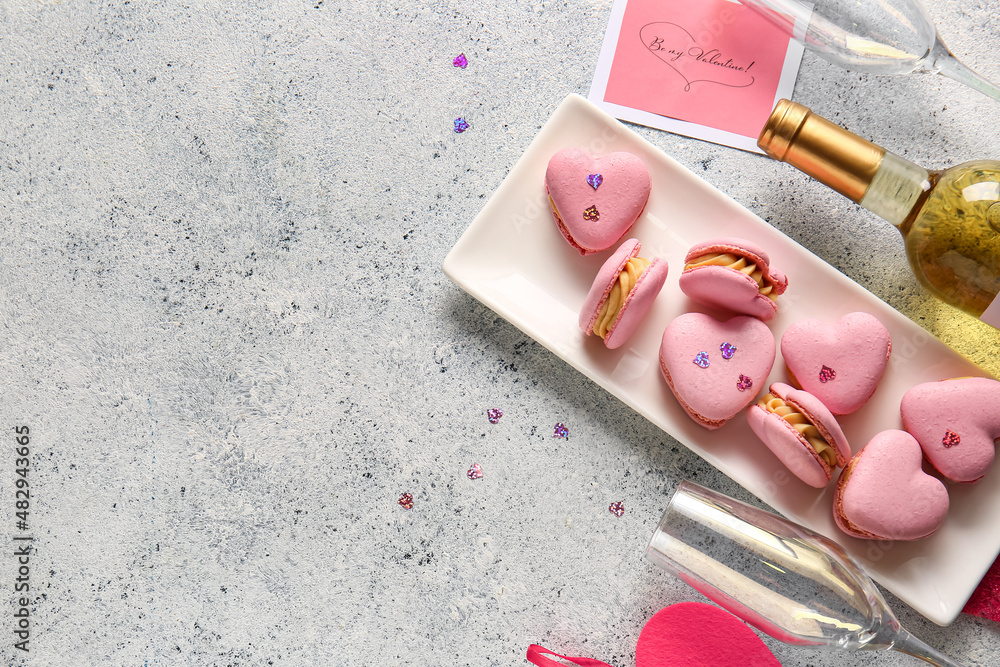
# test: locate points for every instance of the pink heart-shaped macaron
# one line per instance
(595, 200)
(840, 363)
(695, 633)
(884, 494)
(957, 423)
(715, 369)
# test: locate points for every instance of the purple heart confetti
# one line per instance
(595, 180)
(561, 431)
(701, 359)
(728, 350)
(461, 125)
(460, 61)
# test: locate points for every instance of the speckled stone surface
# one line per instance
(225, 323)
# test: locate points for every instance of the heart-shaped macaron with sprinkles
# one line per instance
(695, 633)
(711, 383)
(957, 423)
(595, 200)
(884, 493)
(840, 363)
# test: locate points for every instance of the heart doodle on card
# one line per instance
(678, 49)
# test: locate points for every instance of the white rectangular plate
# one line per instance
(513, 259)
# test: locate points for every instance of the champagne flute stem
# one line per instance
(910, 645)
(944, 62)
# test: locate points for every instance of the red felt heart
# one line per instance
(696, 63)
(594, 219)
(956, 423)
(840, 363)
(694, 634)
(884, 493)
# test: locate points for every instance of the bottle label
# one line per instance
(895, 189)
(992, 314)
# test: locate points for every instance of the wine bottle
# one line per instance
(950, 219)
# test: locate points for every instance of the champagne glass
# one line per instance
(877, 36)
(795, 585)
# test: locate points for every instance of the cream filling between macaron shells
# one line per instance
(737, 263)
(803, 425)
(618, 296)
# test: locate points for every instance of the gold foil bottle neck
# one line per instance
(835, 157)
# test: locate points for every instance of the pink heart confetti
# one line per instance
(461, 125)
(561, 431)
(406, 501)
(475, 472)
(744, 383)
(592, 214)
(826, 374)
(494, 415)
(617, 508)
(950, 439)
(460, 61)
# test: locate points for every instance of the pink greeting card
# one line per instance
(711, 69)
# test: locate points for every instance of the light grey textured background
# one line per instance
(224, 320)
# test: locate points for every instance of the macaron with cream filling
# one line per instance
(735, 275)
(622, 294)
(802, 433)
